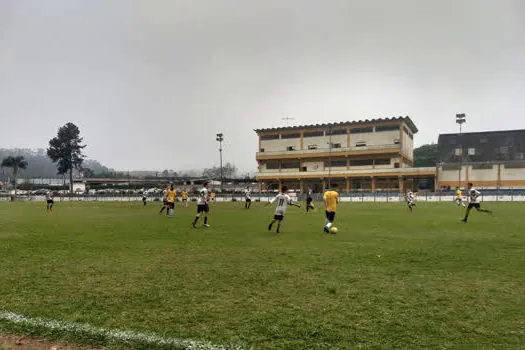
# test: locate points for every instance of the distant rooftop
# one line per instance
(407, 120)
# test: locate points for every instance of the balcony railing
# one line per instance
(334, 151)
(349, 172)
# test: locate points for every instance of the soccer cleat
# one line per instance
(277, 231)
(270, 227)
(326, 230)
(193, 224)
(464, 220)
(206, 225)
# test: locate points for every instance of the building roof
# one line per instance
(490, 146)
(406, 119)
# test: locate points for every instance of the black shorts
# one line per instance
(309, 200)
(278, 217)
(170, 205)
(474, 205)
(203, 208)
(144, 199)
(248, 199)
(165, 202)
(50, 201)
(330, 216)
(184, 199)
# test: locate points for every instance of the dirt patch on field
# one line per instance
(13, 342)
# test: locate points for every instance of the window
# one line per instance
(361, 162)
(471, 151)
(295, 135)
(336, 145)
(519, 156)
(457, 151)
(261, 150)
(396, 141)
(269, 137)
(313, 133)
(272, 165)
(290, 148)
(290, 165)
(483, 140)
(361, 130)
(312, 146)
(337, 132)
(387, 128)
(396, 165)
(360, 144)
(504, 150)
(385, 161)
(336, 163)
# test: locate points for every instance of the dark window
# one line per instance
(514, 165)
(385, 161)
(450, 166)
(312, 146)
(313, 133)
(336, 163)
(261, 150)
(270, 137)
(290, 148)
(396, 141)
(361, 162)
(360, 144)
(290, 165)
(295, 135)
(303, 168)
(336, 145)
(272, 165)
(337, 132)
(396, 165)
(482, 166)
(387, 128)
(361, 130)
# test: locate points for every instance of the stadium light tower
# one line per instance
(219, 139)
(460, 119)
(329, 156)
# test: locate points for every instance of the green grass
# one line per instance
(389, 278)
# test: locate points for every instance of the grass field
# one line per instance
(389, 278)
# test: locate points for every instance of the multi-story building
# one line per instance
(494, 159)
(364, 155)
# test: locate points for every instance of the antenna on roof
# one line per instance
(287, 120)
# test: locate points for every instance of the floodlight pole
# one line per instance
(219, 139)
(460, 119)
(329, 157)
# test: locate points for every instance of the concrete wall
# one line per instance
(512, 174)
(483, 174)
(280, 145)
(408, 146)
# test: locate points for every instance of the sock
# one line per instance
(328, 225)
(196, 219)
(205, 220)
(278, 227)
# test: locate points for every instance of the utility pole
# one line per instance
(329, 157)
(219, 139)
(460, 119)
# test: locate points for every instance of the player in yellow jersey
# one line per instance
(459, 197)
(184, 196)
(171, 194)
(212, 198)
(331, 198)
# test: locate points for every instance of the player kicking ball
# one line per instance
(474, 202)
(283, 200)
(331, 199)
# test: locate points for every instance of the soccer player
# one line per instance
(459, 197)
(212, 197)
(171, 194)
(50, 201)
(202, 206)
(331, 199)
(248, 198)
(474, 202)
(410, 198)
(144, 197)
(283, 201)
(164, 201)
(184, 196)
(309, 200)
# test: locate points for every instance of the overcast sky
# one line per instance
(150, 82)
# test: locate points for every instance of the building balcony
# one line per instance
(322, 152)
(341, 173)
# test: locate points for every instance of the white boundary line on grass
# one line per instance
(112, 334)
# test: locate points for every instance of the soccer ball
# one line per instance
(333, 230)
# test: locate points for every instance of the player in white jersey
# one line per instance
(248, 198)
(144, 197)
(474, 202)
(202, 206)
(309, 200)
(165, 200)
(50, 201)
(283, 200)
(410, 200)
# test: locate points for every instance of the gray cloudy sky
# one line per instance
(150, 82)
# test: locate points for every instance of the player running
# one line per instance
(50, 201)
(309, 200)
(247, 198)
(474, 202)
(184, 196)
(164, 201)
(202, 206)
(410, 198)
(459, 197)
(331, 199)
(283, 201)
(144, 198)
(212, 198)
